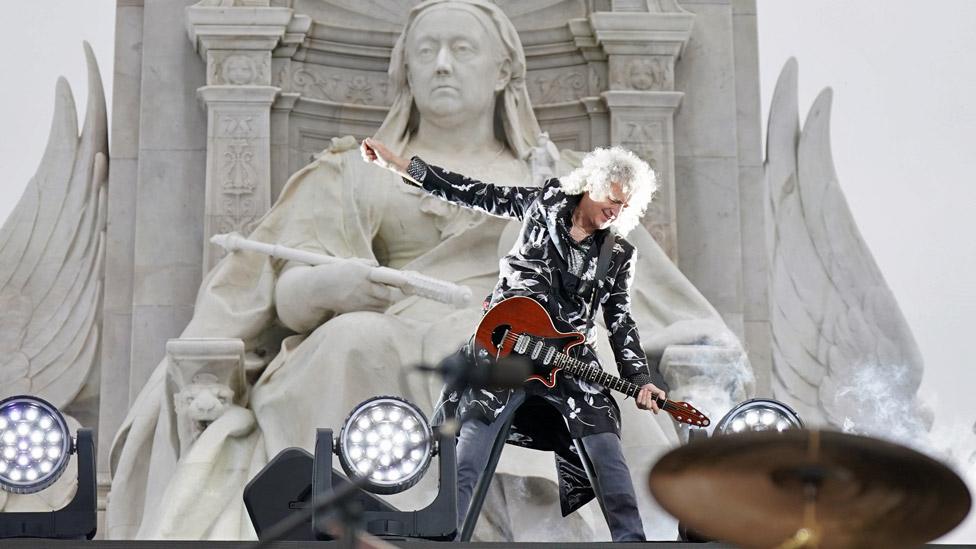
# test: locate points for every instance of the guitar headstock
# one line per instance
(686, 413)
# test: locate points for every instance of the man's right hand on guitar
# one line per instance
(646, 400)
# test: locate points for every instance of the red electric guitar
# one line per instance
(520, 325)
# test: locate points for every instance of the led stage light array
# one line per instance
(34, 444)
(387, 440)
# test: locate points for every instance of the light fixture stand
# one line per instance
(437, 521)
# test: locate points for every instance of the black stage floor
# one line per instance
(39, 544)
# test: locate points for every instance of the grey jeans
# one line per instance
(617, 491)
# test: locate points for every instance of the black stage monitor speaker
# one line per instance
(284, 486)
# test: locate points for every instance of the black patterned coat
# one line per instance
(537, 267)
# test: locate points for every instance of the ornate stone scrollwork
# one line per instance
(558, 86)
(238, 179)
(317, 82)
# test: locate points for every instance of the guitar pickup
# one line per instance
(550, 353)
(521, 345)
(537, 350)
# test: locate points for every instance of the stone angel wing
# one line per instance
(833, 318)
(51, 256)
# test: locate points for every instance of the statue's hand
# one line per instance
(346, 287)
(305, 296)
(377, 153)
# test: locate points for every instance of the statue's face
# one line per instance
(454, 67)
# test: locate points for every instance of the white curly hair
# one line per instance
(602, 167)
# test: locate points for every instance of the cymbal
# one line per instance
(752, 489)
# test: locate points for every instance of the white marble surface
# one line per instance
(52, 253)
(709, 242)
(834, 317)
(169, 189)
(752, 192)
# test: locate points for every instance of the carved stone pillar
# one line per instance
(237, 44)
(642, 48)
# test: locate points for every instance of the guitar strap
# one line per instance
(602, 264)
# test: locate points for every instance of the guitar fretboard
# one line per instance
(536, 348)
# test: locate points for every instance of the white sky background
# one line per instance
(903, 126)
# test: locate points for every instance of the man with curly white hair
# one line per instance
(571, 257)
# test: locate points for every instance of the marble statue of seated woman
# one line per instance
(321, 339)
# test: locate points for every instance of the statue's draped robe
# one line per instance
(336, 205)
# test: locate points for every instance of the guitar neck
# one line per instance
(592, 373)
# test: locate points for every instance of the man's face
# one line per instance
(602, 213)
(452, 66)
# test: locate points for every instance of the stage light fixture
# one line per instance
(379, 440)
(34, 444)
(35, 448)
(759, 414)
(387, 445)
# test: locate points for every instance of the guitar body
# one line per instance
(521, 326)
(523, 315)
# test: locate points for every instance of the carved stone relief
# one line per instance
(596, 83)
(205, 377)
(280, 78)
(339, 86)
(238, 173)
(558, 85)
(641, 73)
(643, 132)
(647, 140)
(239, 69)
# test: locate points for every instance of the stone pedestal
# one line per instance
(237, 45)
(642, 49)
